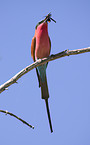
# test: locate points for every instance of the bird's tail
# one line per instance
(41, 73)
(44, 89)
(45, 95)
(48, 112)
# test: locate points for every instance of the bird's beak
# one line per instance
(48, 18)
(53, 20)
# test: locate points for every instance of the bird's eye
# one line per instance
(49, 20)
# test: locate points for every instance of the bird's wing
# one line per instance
(50, 44)
(33, 45)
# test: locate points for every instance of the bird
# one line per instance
(40, 48)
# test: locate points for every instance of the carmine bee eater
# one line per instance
(40, 48)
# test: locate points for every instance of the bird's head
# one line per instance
(47, 18)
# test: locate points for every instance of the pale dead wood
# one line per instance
(40, 62)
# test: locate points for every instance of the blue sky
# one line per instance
(68, 77)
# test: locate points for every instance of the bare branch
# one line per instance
(6, 112)
(40, 62)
